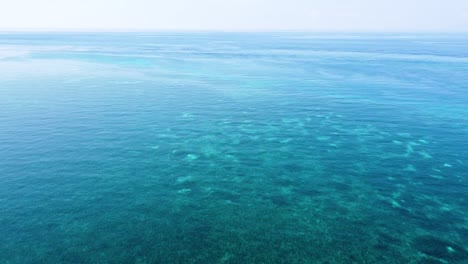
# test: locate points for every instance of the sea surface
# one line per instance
(233, 148)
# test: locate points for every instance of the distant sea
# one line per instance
(233, 148)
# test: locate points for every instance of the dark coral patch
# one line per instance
(440, 249)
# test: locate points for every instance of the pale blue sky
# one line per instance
(236, 15)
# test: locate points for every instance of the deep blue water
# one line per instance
(233, 148)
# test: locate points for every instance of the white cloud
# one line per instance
(314, 15)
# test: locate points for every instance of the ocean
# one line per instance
(178, 147)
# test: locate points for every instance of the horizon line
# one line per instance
(84, 30)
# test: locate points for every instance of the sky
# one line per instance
(237, 15)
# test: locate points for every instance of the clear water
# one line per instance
(233, 148)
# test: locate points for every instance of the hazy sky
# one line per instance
(238, 15)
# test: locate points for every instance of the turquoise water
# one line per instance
(233, 148)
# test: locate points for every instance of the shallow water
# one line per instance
(233, 148)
